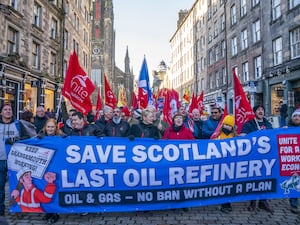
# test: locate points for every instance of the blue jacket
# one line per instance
(209, 127)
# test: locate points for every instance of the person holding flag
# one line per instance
(258, 123)
(210, 125)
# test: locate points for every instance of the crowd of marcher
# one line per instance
(121, 122)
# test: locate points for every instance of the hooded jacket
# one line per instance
(8, 130)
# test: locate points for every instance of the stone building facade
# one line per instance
(36, 42)
(258, 39)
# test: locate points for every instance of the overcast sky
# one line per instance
(145, 26)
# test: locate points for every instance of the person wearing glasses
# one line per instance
(210, 125)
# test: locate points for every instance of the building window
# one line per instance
(53, 29)
(276, 13)
(245, 71)
(294, 3)
(66, 39)
(65, 68)
(244, 39)
(210, 57)
(223, 48)
(15, 4)
(256, 31)
(211, 81)
(277, 51)
(222, 22)
(215, 29)
(53, 64)
(295, 43)
(36, 55)
(255, 3)
(12, 40)
(233, 46)
(224, 75)
(217, 53)
(243, 8)
(233, 15)
(218, 82)
(257, 67)
(37, 10)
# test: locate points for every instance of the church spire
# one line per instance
(127, 62)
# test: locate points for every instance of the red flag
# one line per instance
(77, 86)
(98, 106)
(243, 111)
(110, 98)
(217, 130)
(167, 111)
(193, 104)
(134, 101)
(200, 102)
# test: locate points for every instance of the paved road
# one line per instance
(206, 215)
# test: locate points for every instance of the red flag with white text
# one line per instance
(200, 102)
(77, 86)
(110, 98)
(242, 110)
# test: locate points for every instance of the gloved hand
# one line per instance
(10, 141)
(131, 137)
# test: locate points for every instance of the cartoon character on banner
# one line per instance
(28, 196)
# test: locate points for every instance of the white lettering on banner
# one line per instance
(90, 153)
(218, 172)
(192, 151)
(96, 178)
(288, 141)
(144, 177)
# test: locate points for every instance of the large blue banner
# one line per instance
(89, 174)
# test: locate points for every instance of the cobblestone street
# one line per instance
(205, 215)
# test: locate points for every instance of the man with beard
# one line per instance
(117, 127)
(258, 123)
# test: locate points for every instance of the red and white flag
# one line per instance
(110, 98)
(200, 102)
(77, 86)
(242, 110)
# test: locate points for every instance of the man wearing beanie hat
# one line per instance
(258, 123)
(294, 122)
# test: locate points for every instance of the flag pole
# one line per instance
(58, 107)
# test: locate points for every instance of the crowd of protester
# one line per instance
(135, 123)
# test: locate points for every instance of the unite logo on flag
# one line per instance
(79, 88)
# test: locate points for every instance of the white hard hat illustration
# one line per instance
(21, 172)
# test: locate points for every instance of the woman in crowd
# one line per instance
(145, 128)
(51, 129)
(178, 130)
(227, 130)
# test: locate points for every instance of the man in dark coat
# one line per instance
(258, 123)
